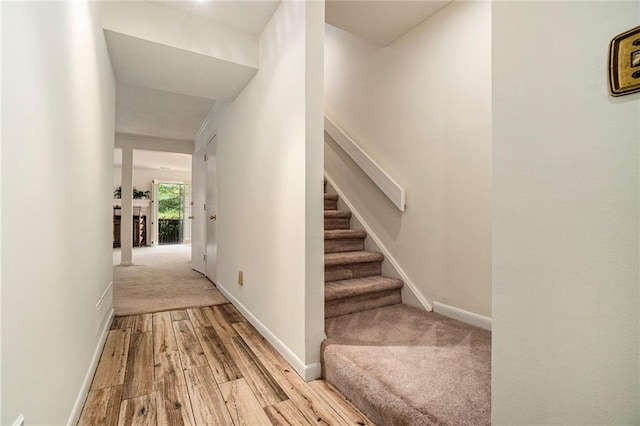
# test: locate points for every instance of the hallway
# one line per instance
(161, 279)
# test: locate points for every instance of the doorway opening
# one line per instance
(174, 211)
(169, 171)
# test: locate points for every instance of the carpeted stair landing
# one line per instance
(404, 366)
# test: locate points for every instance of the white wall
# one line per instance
(57, 161)
(142, 177)
(565, 219)
(314, 198)
(421, 108)
(0, 215)
(266, 187)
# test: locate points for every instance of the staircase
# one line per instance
(353, 276)
(398, 364)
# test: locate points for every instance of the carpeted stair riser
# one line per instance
(347, 258)
(337, 219)
(344, 289)
(343, 240)
(371, 397)
(355, 270)
(339, 246)
(330, 202)
(350, 305)
(336, 223)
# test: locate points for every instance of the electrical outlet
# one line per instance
(240, 278)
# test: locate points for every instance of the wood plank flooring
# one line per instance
(204, 366)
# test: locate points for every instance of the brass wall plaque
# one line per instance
(624, 63)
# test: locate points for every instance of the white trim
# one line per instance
(312, 371)
(88, 378)
(307, 372)
(106, 290)
(462, 315)
(387, 254)
(99, 304)
(205, 123)
(150, 143)
(211, 140)
(155, 227)
(171, 182)
(19, 421)
(385, 182)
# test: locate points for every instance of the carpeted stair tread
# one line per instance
(330, 214)
(335, 290)
(332, 197)
(340, 234)
(402, 365)
(351, 257)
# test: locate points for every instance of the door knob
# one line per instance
(213, 217)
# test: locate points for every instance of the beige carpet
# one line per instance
(160, 280)
(405, 366)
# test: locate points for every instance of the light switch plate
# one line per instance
(624, 63)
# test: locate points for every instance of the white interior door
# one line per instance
(211, 203)
(198, 215)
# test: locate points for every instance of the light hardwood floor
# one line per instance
(203, 366)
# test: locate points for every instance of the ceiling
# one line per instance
(145, 63)
(159, 114)
(248, 16)
(380, 22)
(166, 92)
(155, 160)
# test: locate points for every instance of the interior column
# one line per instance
(126, 220)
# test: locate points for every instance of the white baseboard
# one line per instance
(312, 371)
(307, 372)
(462, 315)
(88, 378)
(387, 254)
(104, 304)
